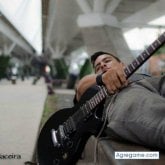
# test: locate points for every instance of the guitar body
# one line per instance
(48, 154)
(63, 137)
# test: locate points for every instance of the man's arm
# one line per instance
(84, 84)
(114, 79)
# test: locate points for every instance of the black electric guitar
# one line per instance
(63, 137)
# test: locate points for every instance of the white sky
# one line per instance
(138, 38)
(26, 16)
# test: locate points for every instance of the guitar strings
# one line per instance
(98, 138)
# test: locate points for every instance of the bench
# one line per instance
(106, 153)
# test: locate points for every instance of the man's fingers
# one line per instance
(122, 78)
(114, 80)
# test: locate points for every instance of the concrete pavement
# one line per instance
(21, 108)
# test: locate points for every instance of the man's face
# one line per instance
(105, 62)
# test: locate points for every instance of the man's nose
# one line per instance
(102, 64)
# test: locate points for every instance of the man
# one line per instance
(136, 107)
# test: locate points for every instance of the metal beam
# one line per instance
(11, 47)
(106, 19)
(98, 19)
(139, 25)
(99, 6)
(52, 15)
(146, 15)
(12, 35)
(58, 51)
(112, 6)
(84, 5)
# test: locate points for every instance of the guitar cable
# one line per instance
(105, 117)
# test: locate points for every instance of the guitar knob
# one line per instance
(85, 119)
(56, 162)
(65, 156)
(69, 144)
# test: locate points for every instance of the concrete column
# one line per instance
(106, 38)
(120, 45)
(101, 30)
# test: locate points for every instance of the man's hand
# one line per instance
(114, 79)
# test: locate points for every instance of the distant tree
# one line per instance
(4, 64)
(160, 51)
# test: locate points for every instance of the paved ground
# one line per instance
(21, 107)
(65, 98)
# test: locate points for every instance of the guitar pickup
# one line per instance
(61, 132)
(54, 138)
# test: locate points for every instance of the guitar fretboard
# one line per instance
(147, 53)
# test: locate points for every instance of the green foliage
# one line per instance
(49, 108)
(160, 50)
(4, 63)
(61, 68)
(86, 69)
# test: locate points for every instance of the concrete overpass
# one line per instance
(91, 24)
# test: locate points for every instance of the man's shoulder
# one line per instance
(139, 76)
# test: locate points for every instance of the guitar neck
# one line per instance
(147, 53)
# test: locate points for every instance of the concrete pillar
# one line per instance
(101, 30)
(106, 38)
(120, 45)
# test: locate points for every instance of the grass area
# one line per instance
(49, 108)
